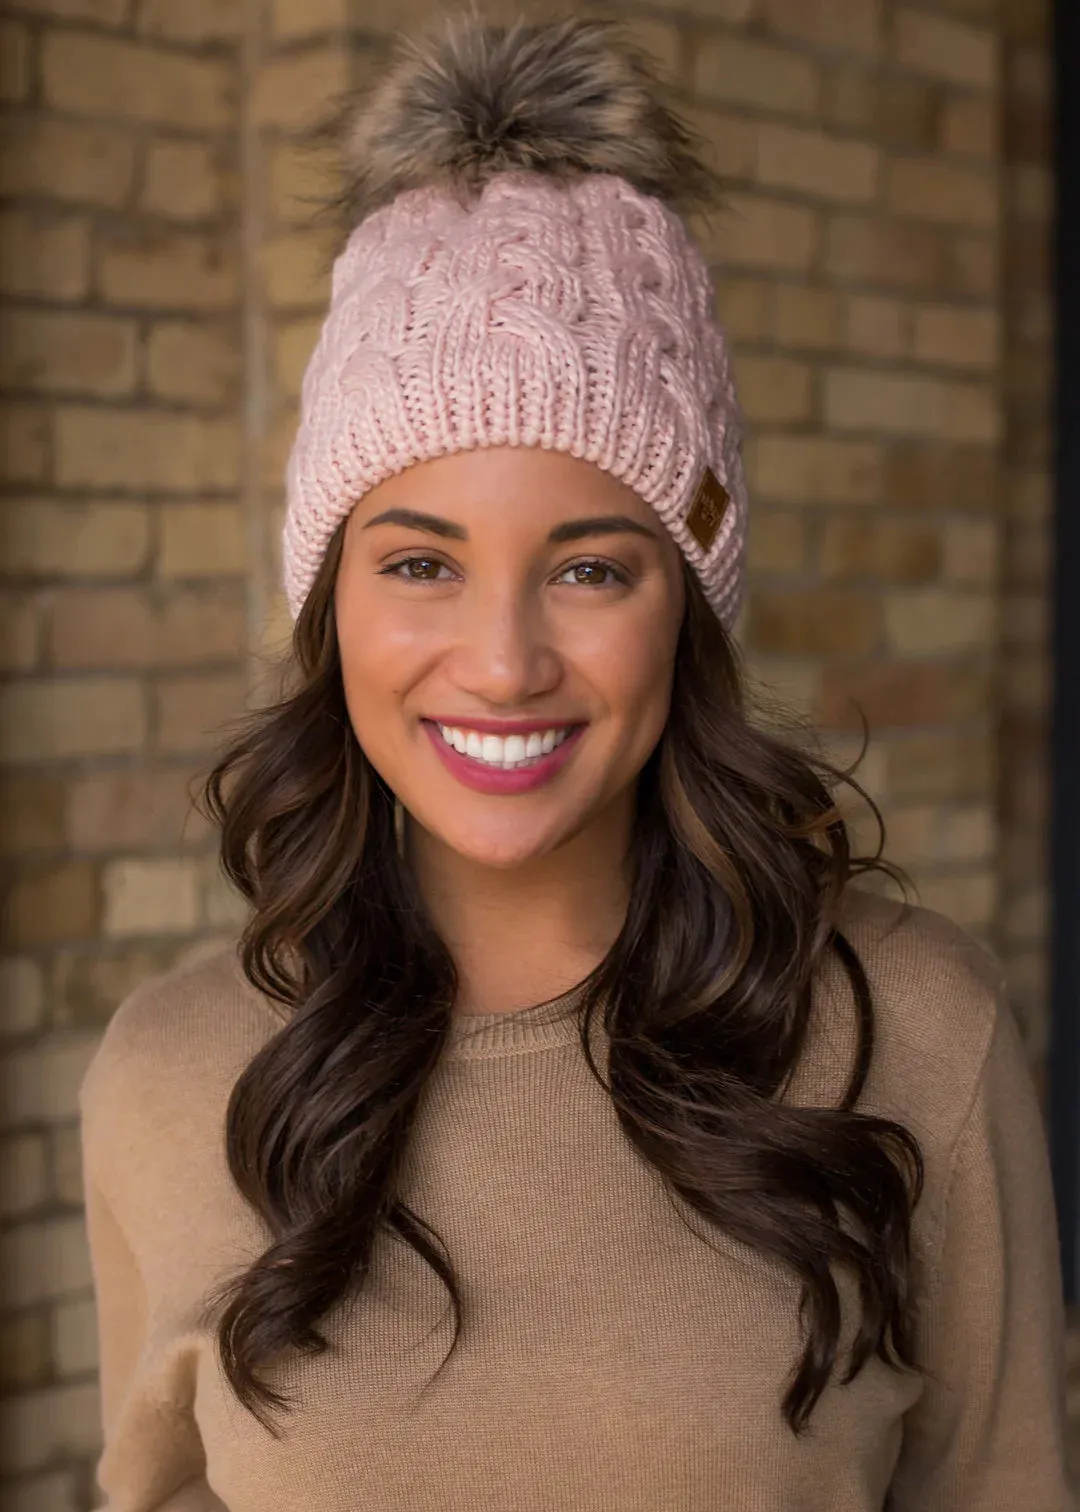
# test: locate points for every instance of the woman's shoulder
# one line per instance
(937, 995)
(178, 1038)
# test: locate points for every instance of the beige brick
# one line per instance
(968, 899)
(945, 49)
(66, 1144)
(22, 996)
(305, 18)
(55, 353)
(929, 835)
(741, 72)
(660, 41)
(193, 712)
(128, 810)
(946, 765)
(140, 627)
(183, 180)
(971, 552)
(882, 254)
(972, 267)
(900, 404)
(31, 813)
(814, 622)
(202, 540)
(41, 1085)
(24, 1174)
(50, 539)
(939, 621)
(171, 270)
(880, 547)
(222, 907)
(25, 442)
(806, 317)
(59, 903)
(67, 718)
(949, 337)
(150, 897)
(89, 983)
(878, 326)
(25, 1359)
(969, 127)
(763, 233)
(815, 164)
(144, 449)
(15, 61)
(727, 142)
(1031, 189)
(82, 164)
(193, 363)
(20, 632)
(815, 470)
(51, 1491)
(302, 178)
(42, 256)
(742, 306)
(294, 91)
(294, 345)
(782, 684)
(107, 12)
(192, 20)
(96, 75)
(853, 25)
(773, 390)
(296, 270)
(778, 541)
(75, 1342)
(937, 191)
(43, 1426)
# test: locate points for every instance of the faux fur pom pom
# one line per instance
(473, 98)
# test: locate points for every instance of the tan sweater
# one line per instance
(611, 1361)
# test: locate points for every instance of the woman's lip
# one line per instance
(503, 726)
(490, 779)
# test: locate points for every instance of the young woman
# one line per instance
(566, 1132)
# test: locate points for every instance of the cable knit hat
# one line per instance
(519, 273)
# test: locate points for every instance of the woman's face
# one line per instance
(507, 620)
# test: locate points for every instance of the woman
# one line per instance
(567, 1132)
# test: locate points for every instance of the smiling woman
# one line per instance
(557, 998)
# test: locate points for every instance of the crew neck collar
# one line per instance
(483, 1036)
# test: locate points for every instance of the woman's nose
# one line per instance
(504, 653)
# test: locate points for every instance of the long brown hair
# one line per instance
(740, 858)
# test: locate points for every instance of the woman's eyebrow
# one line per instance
(569, 530)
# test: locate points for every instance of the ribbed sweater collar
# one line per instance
(484, 1036)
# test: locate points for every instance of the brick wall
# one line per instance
(122, 611)
(156, 247)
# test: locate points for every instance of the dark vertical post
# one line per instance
(1064, 1077)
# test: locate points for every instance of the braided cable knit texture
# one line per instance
(575, 317)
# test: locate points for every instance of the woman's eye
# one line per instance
(416, 569)
(592, 575)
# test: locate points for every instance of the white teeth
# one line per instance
(508, 753)
(514, 748)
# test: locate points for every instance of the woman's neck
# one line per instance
(524, 935)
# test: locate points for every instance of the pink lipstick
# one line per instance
(483, 777)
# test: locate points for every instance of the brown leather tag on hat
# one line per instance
(708, 508)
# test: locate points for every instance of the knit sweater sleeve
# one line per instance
(153, 1458)
(987, 1434)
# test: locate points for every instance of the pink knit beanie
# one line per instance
(520, 275)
